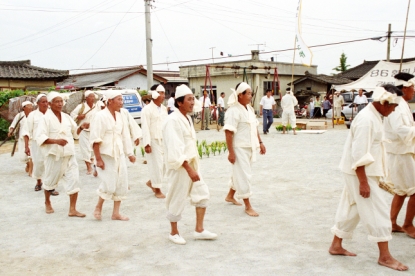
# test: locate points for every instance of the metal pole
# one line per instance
(213, 60)
(149, 44)
(389, 43)
(404, 35)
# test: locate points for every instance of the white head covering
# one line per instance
(111, 94)
(233, 98)
(160, 88)
(52, 95)
(182, 90)
(100, 104)
(88, 92)
(155, 94)
(26, 103)
(40, 96)
(408, 83)
(381, 95)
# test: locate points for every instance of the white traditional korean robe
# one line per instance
(400, 130)
(60, 161)
(22, 131)
(364, 147)
(38, 159)
(152, 118)
(243, 123)
(179, 142)
(134, 129)
(288, 102)
(114, 145)
(84, 146)
(338, 102)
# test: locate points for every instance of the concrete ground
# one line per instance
(296, 189)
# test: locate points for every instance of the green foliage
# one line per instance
(215, 147)
(8, 94)
(142, 151)
(288, 128)
(142, 92)
(4, 128)
(200, 150)
(343, 64)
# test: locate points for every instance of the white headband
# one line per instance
(26, 103)
(39, 97)
(233, 98)
(381, 95)
(155, 94)
(88, 92)
(111, 94)
(160, 88)
(182, 90)
(53, 95)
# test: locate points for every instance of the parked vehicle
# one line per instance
(348, 111)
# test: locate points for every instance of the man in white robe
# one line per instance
(288, 102)
(338, 102)
(31, 147)
(400, 130)
(363, 163)
(82, 115)
(152, 118)
(110, 140)
(55, 138)
(18, 127)
(243, 140)
(183, 171)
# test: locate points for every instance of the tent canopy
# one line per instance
(382, 73)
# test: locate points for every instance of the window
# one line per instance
(271, 85)
(212, 92)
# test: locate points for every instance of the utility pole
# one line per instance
(260, 44)
(389, 43)
(213, 60)
(149, 44)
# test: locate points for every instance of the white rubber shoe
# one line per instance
(205, 235)
(177, 239)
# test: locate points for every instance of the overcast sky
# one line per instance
(80, 34)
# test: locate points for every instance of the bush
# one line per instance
(4, 128)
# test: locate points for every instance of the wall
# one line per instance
(22, 84)
(134, 81)
(315, 86)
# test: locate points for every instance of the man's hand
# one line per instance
(10, 132)
(85, 126)
(81, 117)
(100, 164)
(131, 158)
(147, 149)
(61, 142)
(262, 149)
(27, 151)
(232, 157)
(194, 176)
(137, 142)
(364, 189)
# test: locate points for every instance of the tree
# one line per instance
(343, 64)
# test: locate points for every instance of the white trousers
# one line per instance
(85, 146)
(21, 151)
(64, 169)
(114, 178)
(288, 117)
(155, 164)
(372, 211)
(180, 188)
(241, 173)
(38, 161)
(402, 173)
(337, 112)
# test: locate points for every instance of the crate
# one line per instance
(302, 125)
(316, 125)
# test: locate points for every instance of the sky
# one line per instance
(81, 35)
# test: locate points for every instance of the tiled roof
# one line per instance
(323, 78)
(101, 78)
(360, 70)
(24, 70)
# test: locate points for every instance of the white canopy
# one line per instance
(381, 74)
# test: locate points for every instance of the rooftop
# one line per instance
(23, 69)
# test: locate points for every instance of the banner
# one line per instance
(301, 49)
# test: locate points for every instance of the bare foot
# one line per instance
(397, 228)
(392, 263)
(95, 173)
(49, 209)
(149, 185)
(158, 193)
(340, 251)
(76, 214)
(97, 214)
(89, 171)
(251, 212)
(409, 230)
(232, 200)
(119, 217)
